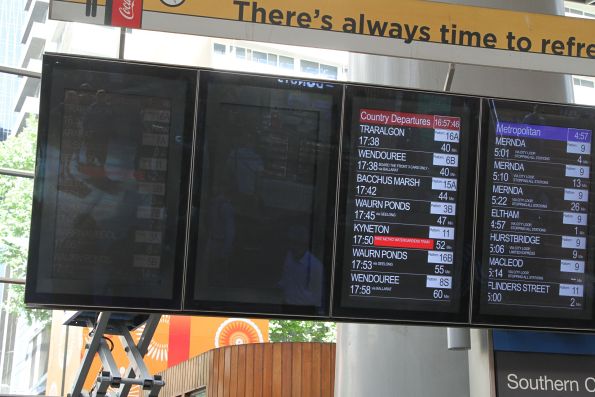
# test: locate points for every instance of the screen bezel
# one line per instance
(50, 120)
(460, 316)
(523, 321)
(215, 307)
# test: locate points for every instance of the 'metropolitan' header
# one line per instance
(543, 132)
(407, 28)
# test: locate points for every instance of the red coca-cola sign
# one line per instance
(127, 13)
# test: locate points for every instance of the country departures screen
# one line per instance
(405, 235)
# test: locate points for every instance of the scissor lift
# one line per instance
(121, 325)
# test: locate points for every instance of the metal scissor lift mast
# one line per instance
(137, 372)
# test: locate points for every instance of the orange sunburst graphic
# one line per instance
(159, 343)
(237, 331)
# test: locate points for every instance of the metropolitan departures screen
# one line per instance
(405, 201)
(536, 259)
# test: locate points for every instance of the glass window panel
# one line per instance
(272, 59)
(219, 49)
(15, 218)
(259, 57)
(240, 53)
(13, 19)
(309, 67)
(24, 345)
(19, 105)
(9, 84)
(286, 62)
(329, 72)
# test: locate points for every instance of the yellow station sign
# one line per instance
(409, 28)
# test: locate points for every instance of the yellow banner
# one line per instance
(417, 29)
(407, 20)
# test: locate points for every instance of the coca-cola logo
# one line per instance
(127, 9)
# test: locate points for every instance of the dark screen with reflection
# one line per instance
(111, 205)
(267, 177)
(106, 218)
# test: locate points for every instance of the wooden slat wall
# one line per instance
(257, 370)
(200, 368)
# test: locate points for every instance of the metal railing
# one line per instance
(19, 72)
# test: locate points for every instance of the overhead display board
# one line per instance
(404, 238)
(264, 198)
(535, 240)
(416, 29)
(114, 142)
(199, 191)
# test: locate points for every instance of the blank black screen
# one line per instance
(265, 178)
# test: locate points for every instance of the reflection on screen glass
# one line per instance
(537, 260)
(265, 185)
(111, 186)
(107, 218)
